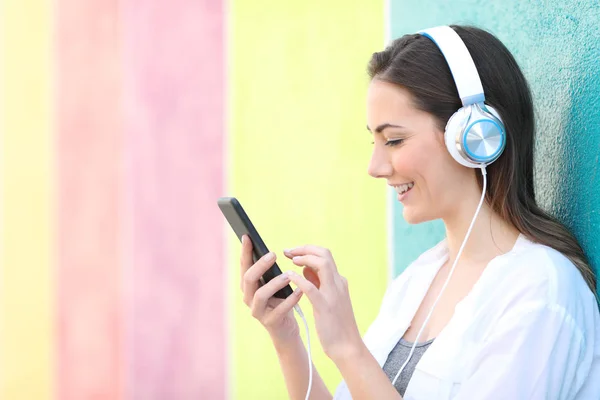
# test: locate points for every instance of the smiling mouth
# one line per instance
(401, 189)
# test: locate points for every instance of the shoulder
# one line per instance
(541, 273)
(536, 277)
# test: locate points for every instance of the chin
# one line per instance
(414, 217)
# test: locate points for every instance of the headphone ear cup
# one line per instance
(475, 135)
(455, 129)
(485, 138)
(495, 113)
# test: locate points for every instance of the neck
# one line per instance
(490, 236)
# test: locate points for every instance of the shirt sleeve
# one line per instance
(535, 351)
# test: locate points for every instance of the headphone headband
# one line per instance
(460, 62)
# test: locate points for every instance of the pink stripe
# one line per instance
(173, 53)
(89, 153)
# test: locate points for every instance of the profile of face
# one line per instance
(410, 154)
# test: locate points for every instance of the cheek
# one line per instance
(414, 164)
(429, 165)
(403, 163)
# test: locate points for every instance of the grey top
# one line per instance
(398, 356)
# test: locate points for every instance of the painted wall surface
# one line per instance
(27, 221)
(557, 44)
(122, 122)
(88, 143)
(174, 72)
(112, 261)
(299, 157)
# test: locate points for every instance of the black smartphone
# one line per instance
(241, 224)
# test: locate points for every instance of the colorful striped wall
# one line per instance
(122, 122)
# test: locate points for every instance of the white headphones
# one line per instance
(475, 135)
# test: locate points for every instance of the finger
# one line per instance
(312, 250)
(283, 308)
(311, 291)
(246, 260)
(307, 249)
(251, 280)
(312, 276)
(262, 295)
(322, 266)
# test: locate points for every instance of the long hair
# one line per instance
(415, 63)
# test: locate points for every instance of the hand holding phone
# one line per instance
(274, 314)
(272, 303)
(241, 225)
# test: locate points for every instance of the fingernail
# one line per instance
(297, 291)
(285, 276)
(269, 256)
(244, 239)
(287, 250)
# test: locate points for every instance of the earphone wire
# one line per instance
(484, 174)
(310, 369)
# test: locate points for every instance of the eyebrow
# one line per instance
(381, 127)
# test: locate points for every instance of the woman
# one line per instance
(517, 320)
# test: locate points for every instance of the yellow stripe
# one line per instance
(299, 156)
(26, 304)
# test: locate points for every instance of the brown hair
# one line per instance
(415, 63)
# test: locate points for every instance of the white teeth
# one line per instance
(401, 189)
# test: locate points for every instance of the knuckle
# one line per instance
(311, 289)
(248, 278)
(260, 296)
(255, 308)
(266, 262)
(267, 322)
(345, 284)
(247, 299)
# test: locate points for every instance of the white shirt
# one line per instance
(528, 329)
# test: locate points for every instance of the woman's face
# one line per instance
(409, 153)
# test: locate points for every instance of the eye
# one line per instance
(393, 142)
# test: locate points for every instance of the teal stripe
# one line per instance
(557, 45)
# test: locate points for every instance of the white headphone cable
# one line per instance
(484, 174)
(310, 369)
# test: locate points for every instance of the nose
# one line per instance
(380, 165)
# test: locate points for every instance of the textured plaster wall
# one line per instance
(557, 45)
